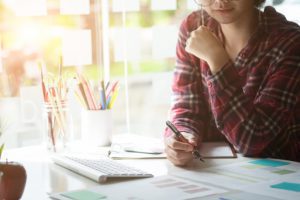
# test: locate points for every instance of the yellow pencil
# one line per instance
(113, 98)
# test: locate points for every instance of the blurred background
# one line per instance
(130, 41)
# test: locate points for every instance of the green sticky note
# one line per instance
(83, 195)
(284, 171)
(252, 166)
(295, 187)
(269, 163)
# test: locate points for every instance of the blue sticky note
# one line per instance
(295, 187)
(83, 194)
(269, 163)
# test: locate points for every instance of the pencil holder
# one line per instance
(57, 125)
(96, 127)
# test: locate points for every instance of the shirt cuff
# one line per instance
(219, 82)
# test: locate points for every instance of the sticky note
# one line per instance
(77, 47)
(129, 6)
(75, 7)
(164, 41)
(29, 7)
(83, 194)
(133, 44)
(163, 5)
(295, 187)
(284, 171)
(269, 163)
(252, 166)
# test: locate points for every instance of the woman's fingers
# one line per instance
(178, 157)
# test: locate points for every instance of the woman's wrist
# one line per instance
(217, 62)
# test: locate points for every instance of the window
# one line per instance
(143, 36)
(132, 41)
(287, 7)
(43, 30)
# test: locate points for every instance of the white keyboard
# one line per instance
(100, 169)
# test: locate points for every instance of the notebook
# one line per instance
(99, 170)
(208, 150)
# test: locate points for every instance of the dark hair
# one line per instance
(259, 3)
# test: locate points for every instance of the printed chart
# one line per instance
(263, 179)
(244, 174)
(162, 187)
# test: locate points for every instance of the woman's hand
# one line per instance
(180, 153)
(206, 46)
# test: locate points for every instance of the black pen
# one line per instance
(181, 138)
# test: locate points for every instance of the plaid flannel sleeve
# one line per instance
(251, 124)
(187, 109)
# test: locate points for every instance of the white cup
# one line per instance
(30, 103)
(96, 127)
(10, 111)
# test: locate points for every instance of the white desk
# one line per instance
(43, 176)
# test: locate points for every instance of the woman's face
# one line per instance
(226, 12)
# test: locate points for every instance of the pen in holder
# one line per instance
(97, 101)
(96, 127)
(58, 125)
(57, 118)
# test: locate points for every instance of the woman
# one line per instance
(237, 76)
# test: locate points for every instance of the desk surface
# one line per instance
(44, 177)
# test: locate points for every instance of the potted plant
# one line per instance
(13, 175)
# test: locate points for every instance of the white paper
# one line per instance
(240, 195)
(130, 5)
(164, 41)
(28, 7)
(216, 150)
(162, 187)
(248, 170)
(266, 189)
(244, 174)
(122, 143)
(163, 5)
(123, 146)
(132, 45)
(77, 47)
(75, 7)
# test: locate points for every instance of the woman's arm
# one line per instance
(252, 123)
(188, 110)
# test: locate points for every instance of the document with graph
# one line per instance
(162, 187)
(277, 179)
(264, 179)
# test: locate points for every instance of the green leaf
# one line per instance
(1, 149)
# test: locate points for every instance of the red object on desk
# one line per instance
(13, 180)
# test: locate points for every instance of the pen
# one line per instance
(181, 138)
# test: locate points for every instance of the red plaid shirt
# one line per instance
(254, 101)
